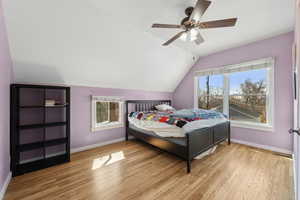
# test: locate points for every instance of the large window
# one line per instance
(244, 92)
(106, 113)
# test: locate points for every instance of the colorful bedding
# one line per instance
(178, 118)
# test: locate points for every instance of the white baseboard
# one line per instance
(5, 185)
(261, 146)
(92, 146)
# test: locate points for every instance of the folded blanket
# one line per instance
(193, 114)
(184, 113)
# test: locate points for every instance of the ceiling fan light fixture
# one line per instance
(193, 35)
(190, 35)
(184, 37)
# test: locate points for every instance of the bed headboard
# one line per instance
(142, 105)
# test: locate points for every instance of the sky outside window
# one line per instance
(236, 79)
(215, 84)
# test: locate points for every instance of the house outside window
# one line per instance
(107, 112)
(243, 92)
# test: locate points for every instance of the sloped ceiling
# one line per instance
(257, 20)
(111, 44)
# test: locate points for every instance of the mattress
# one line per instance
(167, 130)
(160, 129)
(177, 140)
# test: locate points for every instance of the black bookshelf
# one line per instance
(40, 134)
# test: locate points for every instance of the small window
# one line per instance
(106, 113)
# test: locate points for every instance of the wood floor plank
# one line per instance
(133, 170)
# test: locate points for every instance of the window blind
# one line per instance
(109, 99)
(246, 66)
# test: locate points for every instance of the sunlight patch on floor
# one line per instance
(107, 160)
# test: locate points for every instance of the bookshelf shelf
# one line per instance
(32, 126)
(43, 106)
(34, 165)
(37, 145)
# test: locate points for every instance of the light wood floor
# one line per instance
(132, 170)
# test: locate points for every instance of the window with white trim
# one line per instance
(107, 113)
(244, 92)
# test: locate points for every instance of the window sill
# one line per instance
(254, 126)
(106, 127)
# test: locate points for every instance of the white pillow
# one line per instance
(164, 107)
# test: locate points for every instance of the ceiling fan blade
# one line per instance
(199, 10)
(218, 23)
(166, 26)
(178, 35)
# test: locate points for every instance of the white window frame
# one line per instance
(270, 62)
(104, 126)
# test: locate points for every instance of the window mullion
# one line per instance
(226, 94)
(108, 112)
(270, 96)
(196, 92)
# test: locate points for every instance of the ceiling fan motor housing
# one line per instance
(184, 20)
(188, 11)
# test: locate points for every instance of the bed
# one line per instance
(188, 147)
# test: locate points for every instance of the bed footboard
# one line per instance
(201, 140)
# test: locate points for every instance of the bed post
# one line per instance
(229, 134)
(188, 161)
(188, 165)
(127, 122)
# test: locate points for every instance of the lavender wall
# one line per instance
(279, 47)
(81, 113)
(297, 31)
(5, 80)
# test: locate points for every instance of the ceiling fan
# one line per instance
(191, 24)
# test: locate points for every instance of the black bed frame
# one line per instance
(197, 141)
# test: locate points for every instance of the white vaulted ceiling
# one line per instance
(111, 43)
